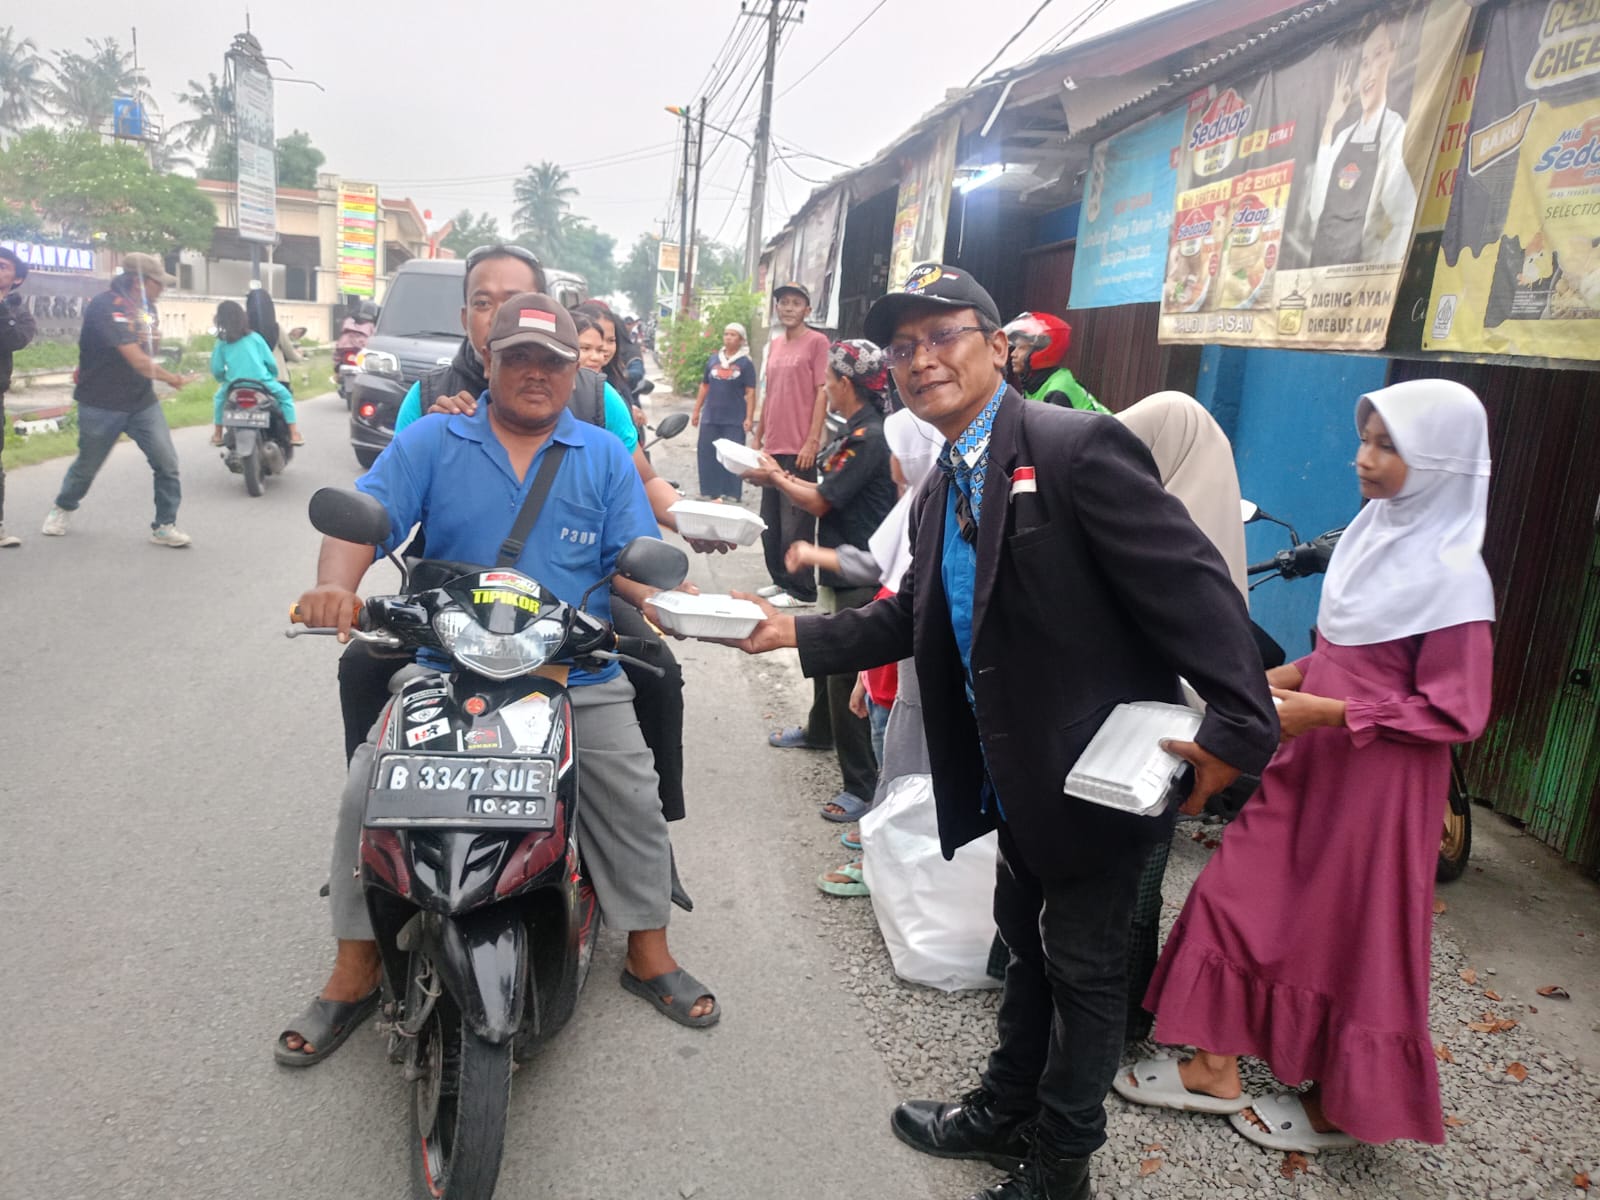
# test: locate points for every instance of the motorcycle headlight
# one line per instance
(497, 655)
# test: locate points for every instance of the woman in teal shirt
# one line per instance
(591, 353)
(243, 354)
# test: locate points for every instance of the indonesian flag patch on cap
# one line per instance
(537, 318)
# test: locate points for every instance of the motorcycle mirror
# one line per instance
(671, 425)
(644, 387)
(652, 562)
(350, 516)
(1249, 511)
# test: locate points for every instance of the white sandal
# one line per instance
(1288, 1128)
(1156, 1082)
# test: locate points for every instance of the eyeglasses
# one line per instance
(902, 350)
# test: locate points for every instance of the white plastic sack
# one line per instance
(936, 917)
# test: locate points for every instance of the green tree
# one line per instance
(544, 196)
(692, 340)
(23, 86)
(86, 85)
(83, 190)
(211, 106)
(586, 250)
(298, 160)
(468, 232)
(637, 276)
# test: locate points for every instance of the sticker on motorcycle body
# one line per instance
(528, 721)
(418, 734)
(424, 712)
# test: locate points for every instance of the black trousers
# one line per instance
(831, 723)
(1064, 1004)
(365, 671)
(786, 525)
(3, 424)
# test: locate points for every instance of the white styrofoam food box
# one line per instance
(705, 521)
(736, 456)
(706, 616)
(1124, 766)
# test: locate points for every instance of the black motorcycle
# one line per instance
(255, 433)
(1306, 558)
(470, 862)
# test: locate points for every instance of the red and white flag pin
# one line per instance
(1023, 480)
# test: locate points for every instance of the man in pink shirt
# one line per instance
(790, 429)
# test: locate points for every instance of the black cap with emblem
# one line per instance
(931, 284)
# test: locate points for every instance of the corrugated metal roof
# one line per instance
(1238, 54)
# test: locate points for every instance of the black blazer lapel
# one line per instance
(996, 502)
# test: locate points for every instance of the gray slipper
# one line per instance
(325, 1024)
(685, 991)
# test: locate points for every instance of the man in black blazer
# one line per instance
(1053, 579)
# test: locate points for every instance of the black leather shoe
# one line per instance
(1043, 1177)
(971, 1127)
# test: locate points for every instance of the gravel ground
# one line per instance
(1515, 1140)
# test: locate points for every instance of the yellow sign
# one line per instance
(497, 596)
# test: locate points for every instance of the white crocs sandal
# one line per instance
(1156, 1082)
(1288, 1129)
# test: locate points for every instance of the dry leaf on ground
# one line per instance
(1491, 995)
(1555, 993)
(1149, 1166)
(1454, 1122)
(1483, 1026)
(1439, 906)
(1468, 976)
(1294, 1163)
(1517, 1071)
(1443, 1053)
(1581, 1180)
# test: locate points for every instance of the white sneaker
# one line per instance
(8, 540)
(170, 535)
(56, 523)
(785, 600)
(768, 592)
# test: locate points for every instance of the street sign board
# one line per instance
(258, 158)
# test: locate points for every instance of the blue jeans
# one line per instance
(98, 431)
(878, 718)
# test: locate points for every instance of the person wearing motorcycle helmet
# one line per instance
(1039, 342)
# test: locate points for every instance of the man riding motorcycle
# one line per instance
(451, 473)
(1039, 342)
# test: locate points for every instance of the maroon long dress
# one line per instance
(1306, 940)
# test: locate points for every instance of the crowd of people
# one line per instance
(995, 565)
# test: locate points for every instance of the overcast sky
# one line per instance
(446, 102)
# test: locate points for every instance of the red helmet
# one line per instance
(1047, 333)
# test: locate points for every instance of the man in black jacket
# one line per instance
(1053, 578)
(16, 331)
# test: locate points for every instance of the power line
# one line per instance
(1063, 35)
(804, 153)
(734, 203)
(1009, 42)
(780, 156)
(837, 46)
(717, 59)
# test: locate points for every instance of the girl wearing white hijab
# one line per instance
(1305, 941)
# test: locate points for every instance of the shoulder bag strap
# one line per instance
(511, 548)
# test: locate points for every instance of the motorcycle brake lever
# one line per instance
(356, 635)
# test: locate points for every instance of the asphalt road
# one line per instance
(170, 767)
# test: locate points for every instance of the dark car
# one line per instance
(419, 327)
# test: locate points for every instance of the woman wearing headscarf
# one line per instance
(900, 745)
(1195, 461)
(725, 408)
(852, 496)
(1306, 939)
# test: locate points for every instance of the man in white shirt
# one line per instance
(1362, 201)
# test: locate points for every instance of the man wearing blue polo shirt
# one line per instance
(465, 478)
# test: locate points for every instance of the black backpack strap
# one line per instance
(588, 402)
(511, 548)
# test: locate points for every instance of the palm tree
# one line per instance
(212, 107)
(23, 86)
(86, 85)
(543, 196)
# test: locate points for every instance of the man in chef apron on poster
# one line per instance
(1361, 200)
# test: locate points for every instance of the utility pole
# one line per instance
(694, 212)
(758, 177)
(683, 208)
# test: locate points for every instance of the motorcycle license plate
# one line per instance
(464, 790)
(248, 418)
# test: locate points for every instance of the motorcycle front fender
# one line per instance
(482, 960)
(244, 442)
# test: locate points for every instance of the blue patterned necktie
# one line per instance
(966, 460)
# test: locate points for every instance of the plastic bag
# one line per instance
(937, 917)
